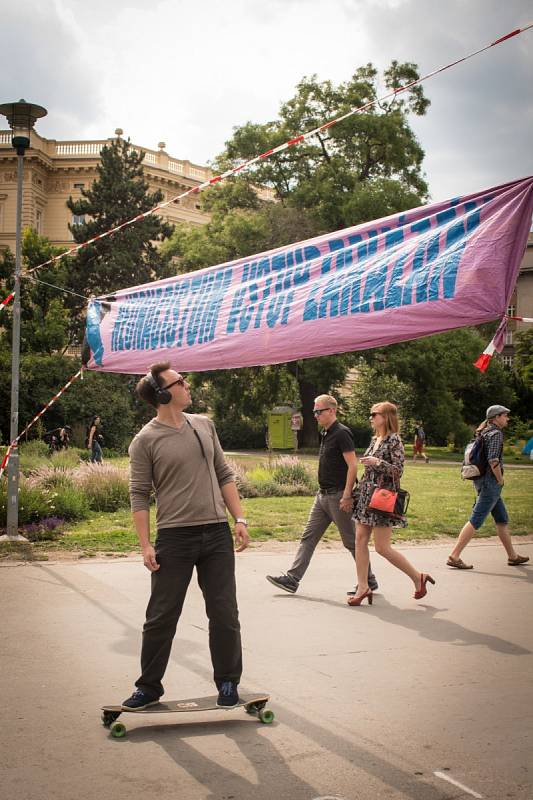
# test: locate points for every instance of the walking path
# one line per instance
(426, 700)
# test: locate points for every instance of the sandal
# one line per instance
(458, 563)
(515, 562)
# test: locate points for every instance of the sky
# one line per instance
(187, 73)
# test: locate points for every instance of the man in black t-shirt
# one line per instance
(337, 473)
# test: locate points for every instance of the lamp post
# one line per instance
(21, 117)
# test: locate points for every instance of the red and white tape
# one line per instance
(279, 149)
(496, 343)
(15, 442)
(7, 300)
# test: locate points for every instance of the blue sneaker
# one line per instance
(228, 697)
(139, 700)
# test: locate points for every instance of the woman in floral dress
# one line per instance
(383, 462)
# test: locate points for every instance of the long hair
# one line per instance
(389, 413)
(482, 426)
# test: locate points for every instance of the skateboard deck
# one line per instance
(252, 703)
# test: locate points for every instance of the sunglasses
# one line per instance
(375, 414)
(318, 411)
(180, 381)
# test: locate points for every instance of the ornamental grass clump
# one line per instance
(104, 485)
(289, 470)
(245, 485)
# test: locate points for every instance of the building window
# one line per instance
(509, 337)
(511, 310)
(77, 219)
(507, 361)
(39, 221)
(79, 185)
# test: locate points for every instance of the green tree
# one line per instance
(523, 360)
(372, 386)
(366, 166)
(44, 326)
(128, 257)
(447, 389)
(363, 168)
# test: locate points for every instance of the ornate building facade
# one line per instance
(56, 170)
(521, 303)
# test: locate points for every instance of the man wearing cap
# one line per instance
(337, 473)
(489, 488)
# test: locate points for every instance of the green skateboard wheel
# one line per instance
(266, 716)
(118, 730)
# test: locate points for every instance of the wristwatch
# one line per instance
(242, 520)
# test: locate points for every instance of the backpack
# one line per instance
(475, 459)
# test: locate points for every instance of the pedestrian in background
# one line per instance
(383, 462)
(337, 473)
(488, 490)
(420, 442)
(94, 438)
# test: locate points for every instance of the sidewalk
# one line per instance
(397, 700)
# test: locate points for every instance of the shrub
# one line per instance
(238, 434)
(47, 530)
(69, 502)
(66, 459)
(242, 479)
(104, 485)
(290, 470)
(32, 455)
(34, 503)
(260, 475)
(50, 478)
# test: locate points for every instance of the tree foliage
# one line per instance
(119, 193)
(523, 360)
(365, 167)
(446, 387)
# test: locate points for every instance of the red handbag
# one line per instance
(383, 500)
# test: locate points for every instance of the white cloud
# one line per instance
(186, 73)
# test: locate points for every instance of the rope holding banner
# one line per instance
(15, 442)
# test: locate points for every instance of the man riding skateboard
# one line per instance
(179, 457)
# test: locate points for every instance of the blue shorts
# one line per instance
(488, 501)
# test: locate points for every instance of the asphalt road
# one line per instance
(427, 700)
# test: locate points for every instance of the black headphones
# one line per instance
(162, 396)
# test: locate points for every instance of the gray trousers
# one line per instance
(325, 510)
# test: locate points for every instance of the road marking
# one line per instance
(459, 785)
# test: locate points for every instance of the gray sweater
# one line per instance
(186, 485)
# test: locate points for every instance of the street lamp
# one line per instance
(21, 117)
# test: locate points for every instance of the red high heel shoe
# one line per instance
(422, 592)
(356, 601)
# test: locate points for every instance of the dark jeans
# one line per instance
(96, 453)
(209, 548)
(324, 511)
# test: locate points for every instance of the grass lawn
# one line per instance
(440, 504)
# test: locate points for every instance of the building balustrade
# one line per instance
(91, 150)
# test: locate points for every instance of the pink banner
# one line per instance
(424, 271)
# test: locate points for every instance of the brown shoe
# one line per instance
(515, 562)
(458, 563)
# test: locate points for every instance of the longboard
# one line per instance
(252, 704)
